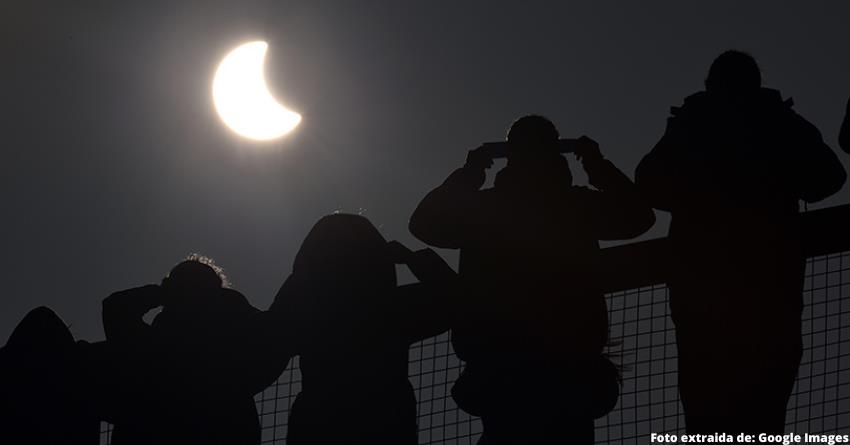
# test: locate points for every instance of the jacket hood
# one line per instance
(704, 101)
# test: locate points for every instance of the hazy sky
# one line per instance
(115, 165)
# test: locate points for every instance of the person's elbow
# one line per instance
(626, 223)
(643, 218)
(110, 314)
(110, 305)
(844, 137)
(118, 302)
(829, 181)
(430, 233)
(655, 195)
(644, 194)
(646, 220)
(418, 227)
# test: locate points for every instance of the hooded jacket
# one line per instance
(731, 170)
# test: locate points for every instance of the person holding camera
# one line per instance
(532, 319)
(731, 168)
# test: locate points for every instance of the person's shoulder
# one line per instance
(692, 108)
(236, 300)
(775, 108)
(696, 101)
(770, 101)
(233, 296)
(773, 96)
(697, 98)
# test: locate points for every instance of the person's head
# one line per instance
(533, 155)
(196, 276)
(41, 335)
(733, 73)
(346, 250)
(532, 138)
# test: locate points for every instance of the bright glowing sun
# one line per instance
(243, 100)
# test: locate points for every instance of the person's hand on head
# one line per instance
(147, 297)
(587, 150)
(479, 158)
(169, 290)
(477, 161)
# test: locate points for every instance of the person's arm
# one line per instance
(444, 217)
(820, 172)
(427, 305)
(123, 311)
(425, 264)
(655, 175)
(844, 136)
(426, 310)
(257, 348)
(267, 351)
(294, 311)
(295, 302)
(238, 305)
(619, 211)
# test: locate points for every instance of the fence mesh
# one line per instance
(644, 334)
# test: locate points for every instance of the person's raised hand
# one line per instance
(587, 150)
(479, 158)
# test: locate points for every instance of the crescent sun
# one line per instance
(242, 98)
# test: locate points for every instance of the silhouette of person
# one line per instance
(174, 385)
(533, 322)
(42, 385)
(844, 136)
(355, 328)
(730, 168)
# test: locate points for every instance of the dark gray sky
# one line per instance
(115, 164)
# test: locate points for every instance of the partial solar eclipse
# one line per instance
(243, 100)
